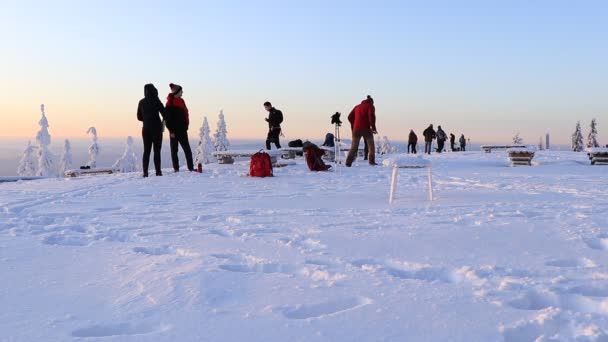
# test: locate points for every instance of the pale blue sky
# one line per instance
(485, 68)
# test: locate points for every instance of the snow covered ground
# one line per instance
(503, 253)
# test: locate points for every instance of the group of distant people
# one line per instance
(429, 135)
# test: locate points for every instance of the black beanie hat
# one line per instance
(175, 88)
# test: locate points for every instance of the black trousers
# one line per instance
(412, 147)
(428, 145)
(152, 137)
(273, 137)
(440, 144)
(462, 148)
(181, 138)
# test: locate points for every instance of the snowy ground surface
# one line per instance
(503, 253)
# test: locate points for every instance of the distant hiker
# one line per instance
(441, 138)
(274, 119)
(412, 141)
(152, 131)
(429, 136)
(363, 123)
(463, 143)
(452, 142)
(178, 121)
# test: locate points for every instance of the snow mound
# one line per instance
(405, 161)
(597, 150)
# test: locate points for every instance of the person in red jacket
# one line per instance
(363, 123)
(177, 121)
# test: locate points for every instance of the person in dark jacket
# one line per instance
(412, 141)
(363, 123)
(274, 119)
(463, 143)
(441, 138)
(429, 136)
(152, 131)
(178, 120)
(452, 142)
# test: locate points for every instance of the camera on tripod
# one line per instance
(335, 119)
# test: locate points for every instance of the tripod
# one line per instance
(337, 149)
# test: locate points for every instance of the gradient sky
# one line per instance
(484, 68)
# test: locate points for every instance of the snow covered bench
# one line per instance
(521, 156)
(408, 162)
(90, 172)
(18, 178)
(489, 148)
(598, 155)
(227, 157)
(291, 152)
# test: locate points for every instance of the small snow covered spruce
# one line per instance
(517, 140)
(221, 142)
(128, 162)
(94, 148)
(66, 158)
(592, 137)
(577, 138)
(205, 145)
(46, 160)
(28, 166)
(385, 146)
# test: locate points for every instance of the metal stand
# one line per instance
(337, 146)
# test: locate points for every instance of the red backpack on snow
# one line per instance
(260, 165)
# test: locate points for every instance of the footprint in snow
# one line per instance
(328, 308)
(598, 243)
(119, 329)
(572, 263)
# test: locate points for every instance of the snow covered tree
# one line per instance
(517, 140)
(46, 161)
(592, 137)
(385, 146)
(28, 166)
(66, 158)
(93, 149)
(205, 145)
(128, 162)
(577, 138)
(221, 142)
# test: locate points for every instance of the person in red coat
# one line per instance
(177, 121)
(363, 123)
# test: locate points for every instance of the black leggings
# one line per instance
(181, 138)
(152, 137)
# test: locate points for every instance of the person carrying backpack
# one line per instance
(363, 123)
(412, 141)
(463, 142)
(441, 138)
(429, 136)
(274, 119)
(178, 121)
(152, 131)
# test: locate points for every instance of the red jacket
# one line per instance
(363, 117)
(178, 102)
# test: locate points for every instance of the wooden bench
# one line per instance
(598, 156)
(90, 172)
(519, 156)
(291, 152)
(227, 157)
(489, 148)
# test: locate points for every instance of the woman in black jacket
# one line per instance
(152, 131)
